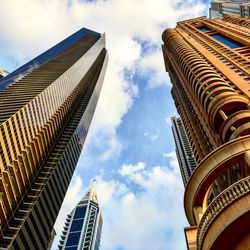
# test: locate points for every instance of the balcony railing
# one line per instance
(223, 200)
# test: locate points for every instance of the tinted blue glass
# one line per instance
(73, 239)
(204, 29)
(71, 248)
(76, 225)
(46, 56)
(227, 41)
(80, 212)
(231, 8)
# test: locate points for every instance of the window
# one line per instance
(226, 41)
(76, 225)
(204, 29)
(80, 212)
(73, 239)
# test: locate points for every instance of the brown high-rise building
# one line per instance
(46, 107)
(209, 65)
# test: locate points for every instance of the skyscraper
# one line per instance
(46, 107)
(209, 65)
(221, 8)
(83, 226)
(184, 151)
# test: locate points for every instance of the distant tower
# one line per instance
(220, 8)
(184, 150)
(82, 230)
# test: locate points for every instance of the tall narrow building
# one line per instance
(46, 107)
(83, 226)
(209, 65)
(184, 152)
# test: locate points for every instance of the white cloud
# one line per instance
(114, 147)
(153, 137)
(145, 219)
(153, 66)
(131, 169)
(173, 160)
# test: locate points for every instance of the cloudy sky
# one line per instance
(129, 148)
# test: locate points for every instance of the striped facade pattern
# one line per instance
(184, 152)
(45, 116)
(208, 61)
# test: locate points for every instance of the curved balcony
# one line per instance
(219, 216)
(205, 174)
(235, 121)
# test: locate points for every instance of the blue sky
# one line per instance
(129, 148)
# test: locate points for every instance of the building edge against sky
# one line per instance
(83, 225)
(208, 61)
(46, 109)
(184, 152)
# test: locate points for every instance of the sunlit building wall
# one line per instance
(208, 61)
(46, 107)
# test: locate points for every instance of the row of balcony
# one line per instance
(220, 223)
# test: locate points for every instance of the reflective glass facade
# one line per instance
(44, 119)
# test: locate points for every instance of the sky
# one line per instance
(129, 148)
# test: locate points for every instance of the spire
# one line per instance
(92, 190)
(91, 194)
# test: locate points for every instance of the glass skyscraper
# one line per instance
(82, 230)
(46, 107)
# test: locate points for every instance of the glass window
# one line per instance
(76, 225)
(204, 29)
(80, 212)
(73, 239)
(227, 41)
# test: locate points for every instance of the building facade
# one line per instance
(46, 107)
(184, 152)
(83, 226)
(221, 8)
(209, 65)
